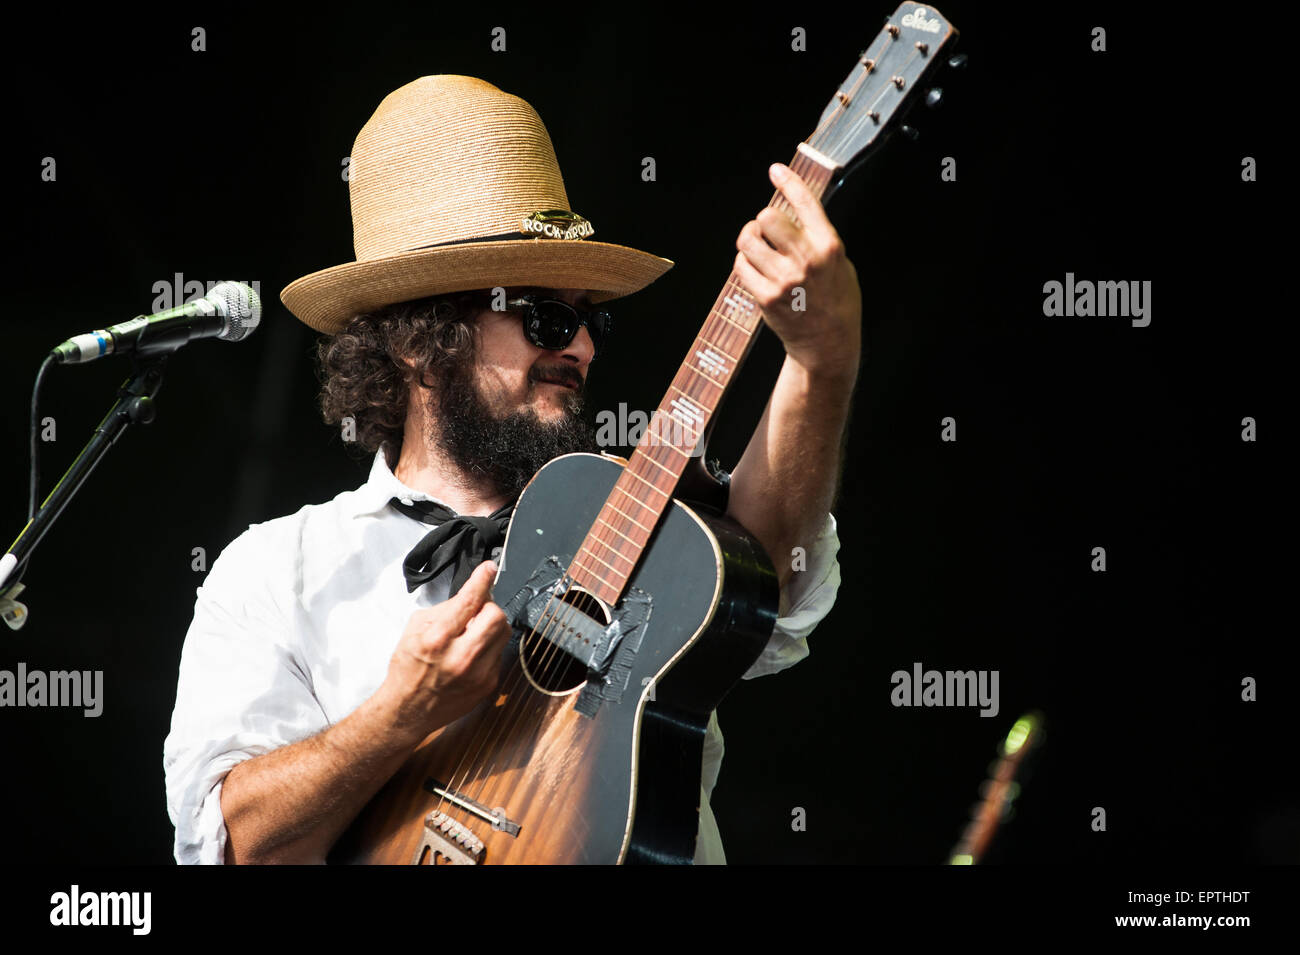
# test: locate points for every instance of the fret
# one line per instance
(684, 414)
(628, 470)
(585, 553)
(730, 321)
(586, 570)
(703, 376)
(605, 562)
(673, 447)
(628, 516)
(692, 433)
(742, 307)
(741, 292)
(735, 282)
(646, 457)
(718, 348)
(651, 513)
(706, 359)
(630, 540)
(692, 398)
(738, 311)
(592, 539)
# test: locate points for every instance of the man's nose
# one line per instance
(581, 350)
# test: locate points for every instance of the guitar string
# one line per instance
(517, 701)
(866, 115)
(569, 610)
(835, 116)
(515, 684)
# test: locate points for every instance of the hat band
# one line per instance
(500, 237)
(551, 223)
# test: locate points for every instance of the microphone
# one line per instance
(230, 312)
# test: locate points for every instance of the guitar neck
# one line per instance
(678, 428)
(867, 104)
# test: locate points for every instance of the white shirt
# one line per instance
(296, 621)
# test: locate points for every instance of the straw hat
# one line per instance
(454, 185)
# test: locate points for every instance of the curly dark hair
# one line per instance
(362, 373)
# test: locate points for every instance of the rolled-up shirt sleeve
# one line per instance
(242, 691)
(806, 598)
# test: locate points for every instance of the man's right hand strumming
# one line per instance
(292, 804)
(448, 658)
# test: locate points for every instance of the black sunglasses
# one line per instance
(553, 324)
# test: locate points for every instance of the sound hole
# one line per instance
(551, 669)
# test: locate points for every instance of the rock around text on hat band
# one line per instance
(558, 224)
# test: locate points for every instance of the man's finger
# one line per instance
(784, 235)
(471, 597)
(478, 588)
(764, 258)
(807, 207)
(489, 618)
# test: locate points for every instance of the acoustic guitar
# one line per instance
(636, 603)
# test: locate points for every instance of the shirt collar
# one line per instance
(381, 487)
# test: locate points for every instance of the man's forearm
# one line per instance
(290, 805)
(792, 262)
(786, 480)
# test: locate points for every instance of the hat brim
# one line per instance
(327, 300)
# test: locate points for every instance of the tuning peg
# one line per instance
(911, 132)
(934, 97)
(958, 62)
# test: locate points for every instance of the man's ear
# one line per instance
(412, 378)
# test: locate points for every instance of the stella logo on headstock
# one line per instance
(917, 21)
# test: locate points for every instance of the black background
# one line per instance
(1073, 433)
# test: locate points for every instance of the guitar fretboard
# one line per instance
(674, 435)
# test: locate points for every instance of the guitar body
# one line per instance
(577, 767)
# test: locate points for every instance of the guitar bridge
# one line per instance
(447, 842)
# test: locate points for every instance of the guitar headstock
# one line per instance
(887, 79)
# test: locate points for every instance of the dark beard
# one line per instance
(504, 453)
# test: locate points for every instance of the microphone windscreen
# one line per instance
(241, 307)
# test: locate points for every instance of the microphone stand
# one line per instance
(135, 404)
